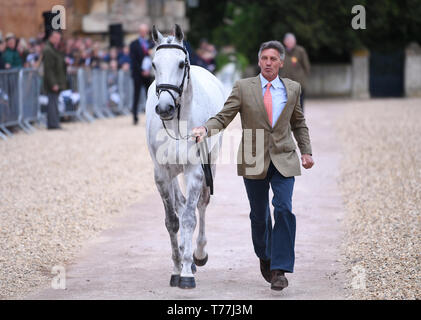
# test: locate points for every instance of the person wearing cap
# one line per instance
(11, 56)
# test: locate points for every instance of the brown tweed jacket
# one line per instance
(260, 142)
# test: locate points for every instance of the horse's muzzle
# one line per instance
(165, 112)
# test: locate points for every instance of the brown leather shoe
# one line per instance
(265, 269)
(278, 280)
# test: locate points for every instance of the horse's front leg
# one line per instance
(194, 179)
(166, 191)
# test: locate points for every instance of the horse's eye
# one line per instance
(153, 66)
(181, 65)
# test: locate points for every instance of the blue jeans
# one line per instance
(277, 243)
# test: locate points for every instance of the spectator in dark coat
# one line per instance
(139, 49)
(54, 77)
(296, 64)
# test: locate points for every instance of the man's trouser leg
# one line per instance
(53, 117)
(275, 243)
(137, 83)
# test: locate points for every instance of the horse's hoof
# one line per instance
(200, 262)
(187, 283)
(175, 280)
(193, 268)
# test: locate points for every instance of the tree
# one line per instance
(322, 27)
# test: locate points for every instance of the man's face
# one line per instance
(270, 62)
(289, 42)
(11, 43)
(55, 38)
(143, 31)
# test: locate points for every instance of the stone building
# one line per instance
(162, 13)
(92, 17)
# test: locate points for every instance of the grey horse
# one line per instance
(181, 97)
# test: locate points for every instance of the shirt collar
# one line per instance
(276, 83)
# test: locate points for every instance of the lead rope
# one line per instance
(178, 127)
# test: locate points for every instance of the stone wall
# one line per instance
(360, 75)
(353, 79)
(162, 13)
(329, 80)
(92, 17)
(24, 17)
(412, 80)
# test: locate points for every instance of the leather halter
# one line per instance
(168, 87)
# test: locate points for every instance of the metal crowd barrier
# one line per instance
(103, 93)
(19, 91)
(29, 91)
(126, 91)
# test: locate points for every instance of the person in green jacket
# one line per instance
(11, 56)
(54, 77)
(296, 64)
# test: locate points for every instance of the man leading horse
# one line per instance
(269, 107)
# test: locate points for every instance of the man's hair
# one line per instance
(273, 44)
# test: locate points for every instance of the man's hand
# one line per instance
(55, 88)
(199, 132)
(307, 161)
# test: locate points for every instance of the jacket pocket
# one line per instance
(288, 147)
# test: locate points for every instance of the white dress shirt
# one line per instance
(279, 96)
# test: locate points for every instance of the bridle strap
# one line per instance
(171, 46)
(179, 89)
(167, 87)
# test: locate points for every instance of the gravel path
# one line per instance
(358, 213)
(132, 260)
(381, 183)
(59, 189)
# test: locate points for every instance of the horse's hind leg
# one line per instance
(171, 221)
(200, 256)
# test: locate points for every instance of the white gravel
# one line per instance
(59, 188)
(381, 184)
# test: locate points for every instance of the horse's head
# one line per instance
(171, 65)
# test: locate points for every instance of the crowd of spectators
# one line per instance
(83, 51)
(77, 52)
(63, 55)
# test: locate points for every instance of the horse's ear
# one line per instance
(156, 35)
(178, 33)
